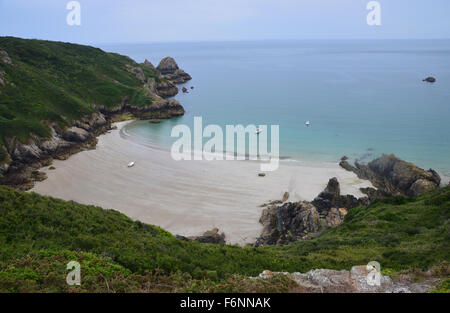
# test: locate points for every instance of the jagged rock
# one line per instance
(344, 158)
(289, 222)
(149, 64)
(167, 66)
(184, 89)
(178, 77)
(335, 216)
(136, 70)
(331, 197)
(285, 197)
(353, 281)
(166, 89)
(76, 134)
(430, 79)
(4, 58)
(394, 176)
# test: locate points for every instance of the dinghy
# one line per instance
(131, 164)
(307, 123)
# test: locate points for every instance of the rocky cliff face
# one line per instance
(23, 160)
(353, 281)
(169, 68)
(301, 220)
(392, 176)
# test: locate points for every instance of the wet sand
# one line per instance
(185, 197)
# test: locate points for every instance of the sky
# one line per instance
(132, 21)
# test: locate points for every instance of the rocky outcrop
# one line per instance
(4, 58)
(3, 80)
(166, 89)
(353, 281)
(331, 198)
(169, 68)
(429, 79)
(149, 64)
(302, 220)
(393, 176)
(178, 77)
(211, 236)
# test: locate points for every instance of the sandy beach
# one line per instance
(184, 197)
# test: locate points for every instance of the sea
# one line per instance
(362, 98)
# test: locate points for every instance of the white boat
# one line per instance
(307, 123)
(258, 131)
(131, 164)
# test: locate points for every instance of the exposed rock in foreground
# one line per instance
(210, 236)
(393, 176)
(302, 220)
(353, 281)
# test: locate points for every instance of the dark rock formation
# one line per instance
(184, 89)
(393, 176)
(331, 198)
(289, 222)
(302, 220)
(166, 89)
(430, 79)
(210, 236)
(167, 66)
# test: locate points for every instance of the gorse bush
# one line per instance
(40, 235)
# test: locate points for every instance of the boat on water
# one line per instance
(131, 164)
(307, 123)
(258, 131)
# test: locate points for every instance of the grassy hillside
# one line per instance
(56, 81)
(39, 235)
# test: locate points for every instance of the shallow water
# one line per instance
(363, 98)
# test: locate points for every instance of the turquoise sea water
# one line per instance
(363, 98)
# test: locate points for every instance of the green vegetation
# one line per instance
(40, 235)
(59, 82)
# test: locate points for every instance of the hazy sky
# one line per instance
(117, 21)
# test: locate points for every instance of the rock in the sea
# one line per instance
(393, 176)
(178, 77)
(192, 87)
(285, 197)
(4, 58)
(262, 174)
(167, 66)
(430, 79)
(184, 89)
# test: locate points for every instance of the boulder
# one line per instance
(393, 176)
(167, 66)
(4, 58)
(178, 77)
(429, 79)
(285, 197)
(166, 89)
(289, 222)
(184, 90)
(353, 281)
(331, 198)
(211, 236)
(76, 134)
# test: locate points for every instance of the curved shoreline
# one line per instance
(184, 197)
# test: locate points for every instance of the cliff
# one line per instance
(56, 97)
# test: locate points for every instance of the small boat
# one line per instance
(131, 164)
(307, 123)
(258, 131)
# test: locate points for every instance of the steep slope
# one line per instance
(55, 95)
(39, 235)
